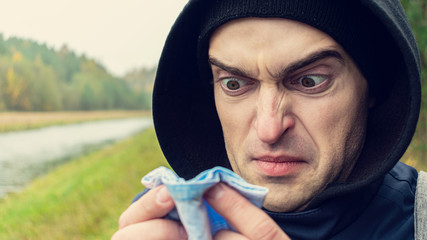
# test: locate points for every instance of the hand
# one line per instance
(250, 221)
(143, 219)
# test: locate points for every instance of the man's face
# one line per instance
(292, 105)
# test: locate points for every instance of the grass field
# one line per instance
(14, 121)
(84, 198)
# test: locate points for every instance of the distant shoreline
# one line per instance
(17, 121)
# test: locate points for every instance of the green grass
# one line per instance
(84, 198)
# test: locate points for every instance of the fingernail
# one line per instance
(215, 192)
(182, 232)
(163, 196)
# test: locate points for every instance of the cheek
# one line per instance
(336, 124)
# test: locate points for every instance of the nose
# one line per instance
(272, 120)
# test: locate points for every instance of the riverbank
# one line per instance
(84, 198)
(15, 121)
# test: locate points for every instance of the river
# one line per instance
(25, 155)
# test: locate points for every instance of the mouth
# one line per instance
(278, 166)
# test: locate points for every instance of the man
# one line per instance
(315, 100)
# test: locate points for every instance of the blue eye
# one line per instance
(310, 81)
(233, 84)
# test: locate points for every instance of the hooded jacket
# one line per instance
(377, 199)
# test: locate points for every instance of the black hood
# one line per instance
(189, 131)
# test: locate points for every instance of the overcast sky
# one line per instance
(120, 34)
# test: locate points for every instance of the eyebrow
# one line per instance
(293, 67)
(230, 69)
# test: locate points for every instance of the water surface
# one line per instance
(25, 155)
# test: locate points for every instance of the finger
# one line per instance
(154, 204)
(152, 229)
(229, 235)
(245, 217)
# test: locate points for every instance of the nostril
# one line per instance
(270, 129)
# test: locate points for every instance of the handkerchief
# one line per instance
(199, 220)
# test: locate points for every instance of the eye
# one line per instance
(311, 81)
(233, 84)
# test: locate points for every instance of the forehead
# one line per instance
(270, 39)
(265, 28)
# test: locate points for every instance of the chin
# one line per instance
(279, 205)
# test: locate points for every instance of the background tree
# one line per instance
(34, 77)
(416, 11)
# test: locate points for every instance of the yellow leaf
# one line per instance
(17, 57)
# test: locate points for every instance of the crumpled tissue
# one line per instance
(199, 220)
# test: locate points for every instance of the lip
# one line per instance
(278, 166)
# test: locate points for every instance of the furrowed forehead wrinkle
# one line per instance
(230, 69)
(310, 59)
(293, 67)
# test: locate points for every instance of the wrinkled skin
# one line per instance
(292, 105)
